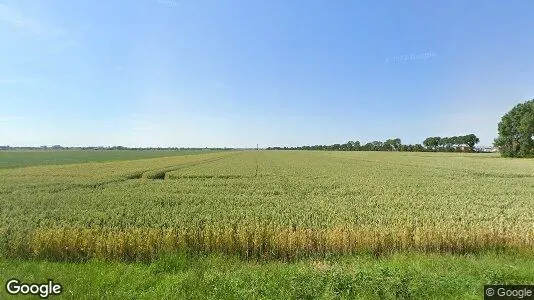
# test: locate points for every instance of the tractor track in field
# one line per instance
(150, 174)
(160, 173)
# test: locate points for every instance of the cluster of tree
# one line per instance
(516, 138)
(451, 144)
(516, 131)
(461, 144)
(349, 146)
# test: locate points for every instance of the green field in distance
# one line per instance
(23, 158)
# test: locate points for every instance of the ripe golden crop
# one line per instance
(262, 204)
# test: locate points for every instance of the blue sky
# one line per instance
(241, 73)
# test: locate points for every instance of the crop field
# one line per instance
(268, 205)
(24, 158)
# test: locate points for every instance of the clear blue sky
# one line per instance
(267, 72)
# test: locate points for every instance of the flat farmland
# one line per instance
(24, 158)
(281, 205)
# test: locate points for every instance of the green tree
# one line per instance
(396, 144)
(432, 142)
(471, 140)
(389, 145)
(516, 131)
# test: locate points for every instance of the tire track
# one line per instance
(136, 175)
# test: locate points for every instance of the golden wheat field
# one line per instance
(268, 204)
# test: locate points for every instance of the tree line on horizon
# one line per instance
(516, 138)
(464, 143)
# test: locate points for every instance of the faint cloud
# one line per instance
(14, 18)
(60, 46)
(87, 26)
(222, 85)
(5, 119)
(141, 122)
(137, 122)
(411, 57)
(16, 80)
(146, 127)
(169, 3)
(9, 81)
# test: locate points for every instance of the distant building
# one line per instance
(487, 149)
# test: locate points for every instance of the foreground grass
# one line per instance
(401, 276)
(17, 159)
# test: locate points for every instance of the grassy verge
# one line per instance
(400, 276)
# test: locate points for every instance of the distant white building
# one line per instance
(487, 149)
